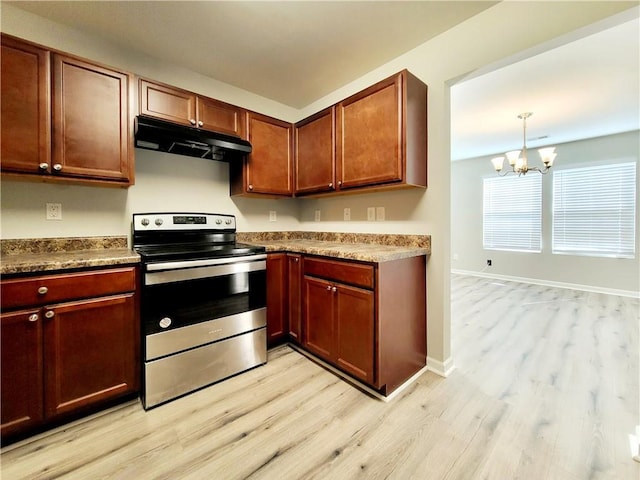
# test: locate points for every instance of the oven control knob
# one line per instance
(165, 322)
(218, 222)
(228, 221)
(144, 222)
(158, 221)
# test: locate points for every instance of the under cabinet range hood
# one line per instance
(153, 134)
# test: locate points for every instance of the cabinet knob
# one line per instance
(42, 290)
(43, 166)
(193, 121)
(334, 289)
(296, 259)
(328, 287)
(250, 187)
(33, 317)
(200, 123)
(331, 185)
(49, 314)
(57, 167)
(339, 182)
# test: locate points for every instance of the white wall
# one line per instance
(497, 33)
(607, 274)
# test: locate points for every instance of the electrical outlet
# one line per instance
(488, 262)
(347, 214)
(380, 214)
(371, 214)
(272, 216)
(317, 217)
(455, 256)
(53, 211)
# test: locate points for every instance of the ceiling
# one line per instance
(298, 52)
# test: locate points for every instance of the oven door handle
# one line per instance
(194, 273)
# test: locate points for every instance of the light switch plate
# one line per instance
(347, 214)
(317, 216)
(371, 214)
(272, 216)
(380, 214)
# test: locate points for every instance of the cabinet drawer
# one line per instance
(345, 272)
(49, 289)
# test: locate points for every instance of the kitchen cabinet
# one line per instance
(294, 296)
(373, 140)
(266, 171)
(70, 343)
(276, 298)
(64, 119)
(26, 106)
(315, 162)
(186, 108)
(366, 319)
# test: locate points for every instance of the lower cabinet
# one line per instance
(294, 296)
(276, 298)
(61, 358)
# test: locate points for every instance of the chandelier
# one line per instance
(518, 162)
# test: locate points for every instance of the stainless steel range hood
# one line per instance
(152, 134)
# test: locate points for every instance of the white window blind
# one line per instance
(594, 210)
(512, 213)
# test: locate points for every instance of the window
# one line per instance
(512, 213)
(594, 210)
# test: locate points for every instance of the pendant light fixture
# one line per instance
(518, 158)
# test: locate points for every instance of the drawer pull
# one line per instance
(57, 167)
(334, 289)
(49, 314)
(42, 290)
(328, 287)
(43, 166)
(33, 317)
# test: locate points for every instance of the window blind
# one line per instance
(512, 213)
(594, 210)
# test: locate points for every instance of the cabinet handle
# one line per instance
(193, 121)
(43, 166)
(296, 259)
(200, 123)
(33, 317)
(57, 167)
(250, 187)
(334, 289)
(49, 314)
(43, 290)
(328, 287)
(331, 185)
(339, 182)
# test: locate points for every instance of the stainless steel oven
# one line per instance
(203, 304)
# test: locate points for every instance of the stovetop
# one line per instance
(187, 236)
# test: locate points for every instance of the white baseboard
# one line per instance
(549, 283)
(443, 369)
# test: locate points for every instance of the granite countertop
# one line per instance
(363, 247)
(50, 254)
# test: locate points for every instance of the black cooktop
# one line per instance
(156, 253)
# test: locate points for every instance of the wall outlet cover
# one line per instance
(380, 214)
(53, 211)
(347, 214)
(317, 216)
(371, 214)
(272, 216)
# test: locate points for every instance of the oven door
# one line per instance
(181, 294)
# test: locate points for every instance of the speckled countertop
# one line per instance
(366, 247)
(49, 254)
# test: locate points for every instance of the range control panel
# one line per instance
(182, 221)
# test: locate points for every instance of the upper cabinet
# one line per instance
(186, 108)
(26, 107)
(267, 169)
(315, 153)
(378, 140)
(64, 119)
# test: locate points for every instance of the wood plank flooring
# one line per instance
(546, 387)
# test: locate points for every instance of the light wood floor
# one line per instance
(546, 387)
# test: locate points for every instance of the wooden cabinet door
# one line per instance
(276, 297)
(91, 134)
(294, 281)
(355, 331)
(167, 103)
(219, 116)
(318, 317)
(25, 123)
(369, 140)
(21, 370)
(90, 352)
(268, 166)
(315, 153)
